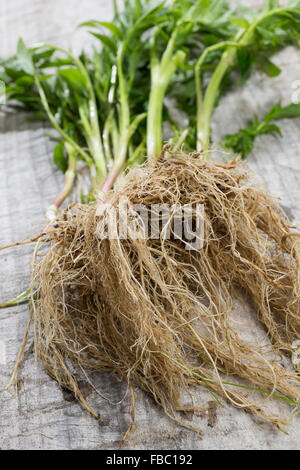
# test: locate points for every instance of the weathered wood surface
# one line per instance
(39, 415)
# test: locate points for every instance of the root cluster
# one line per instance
(161, 315)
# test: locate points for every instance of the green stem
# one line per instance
(123, 96)
(168, 54)
(115, 137)
(154, 120)
(94, 134)
(120, 161)
(107, 132)
(126, 130)
(161, 74)
(245, 387)
(96, 173)
(201, 115)
(17, 301)
(206, 107)
(137, 154)
(53, 121)
(116, 10)
(70, 174)
(181, 140)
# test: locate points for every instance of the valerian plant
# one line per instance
(135, 304)
(108, 107)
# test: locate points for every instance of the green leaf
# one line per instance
(3, 76)
(14, 73)
(106, 41)
(42, 52)
(197, 10)
(268, 35)
(25, 80)
(268, 128)
(74, 78)
(14, 89)
(179, 59)
(268, 67)
(240, 22)
(56, 63)
(270, 5)
(243, 141)
(245, 59)
(151, 13)
(287, 112)
(110, 26)
(59, 157)
(25, 58)
(42, 78)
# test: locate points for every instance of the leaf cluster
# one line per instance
(116, 77)
(243, 141)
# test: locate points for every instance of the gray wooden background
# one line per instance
(39, 415)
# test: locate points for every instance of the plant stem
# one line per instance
(123, 96)
(107, 133)
(94, 136)
(206, 107)
(126, 130)
(154, 120)
(124, 124)
(161, 74)
(181, 140)
(67, 187)
(116, 10)
(202, 118)
(245, 387)
(52, 119)
(120, 161)
(112, 176)
(138, 153)
(17, 301)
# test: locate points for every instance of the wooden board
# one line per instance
(39, 415)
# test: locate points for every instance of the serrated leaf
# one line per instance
(59, 157)
(241, 143)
